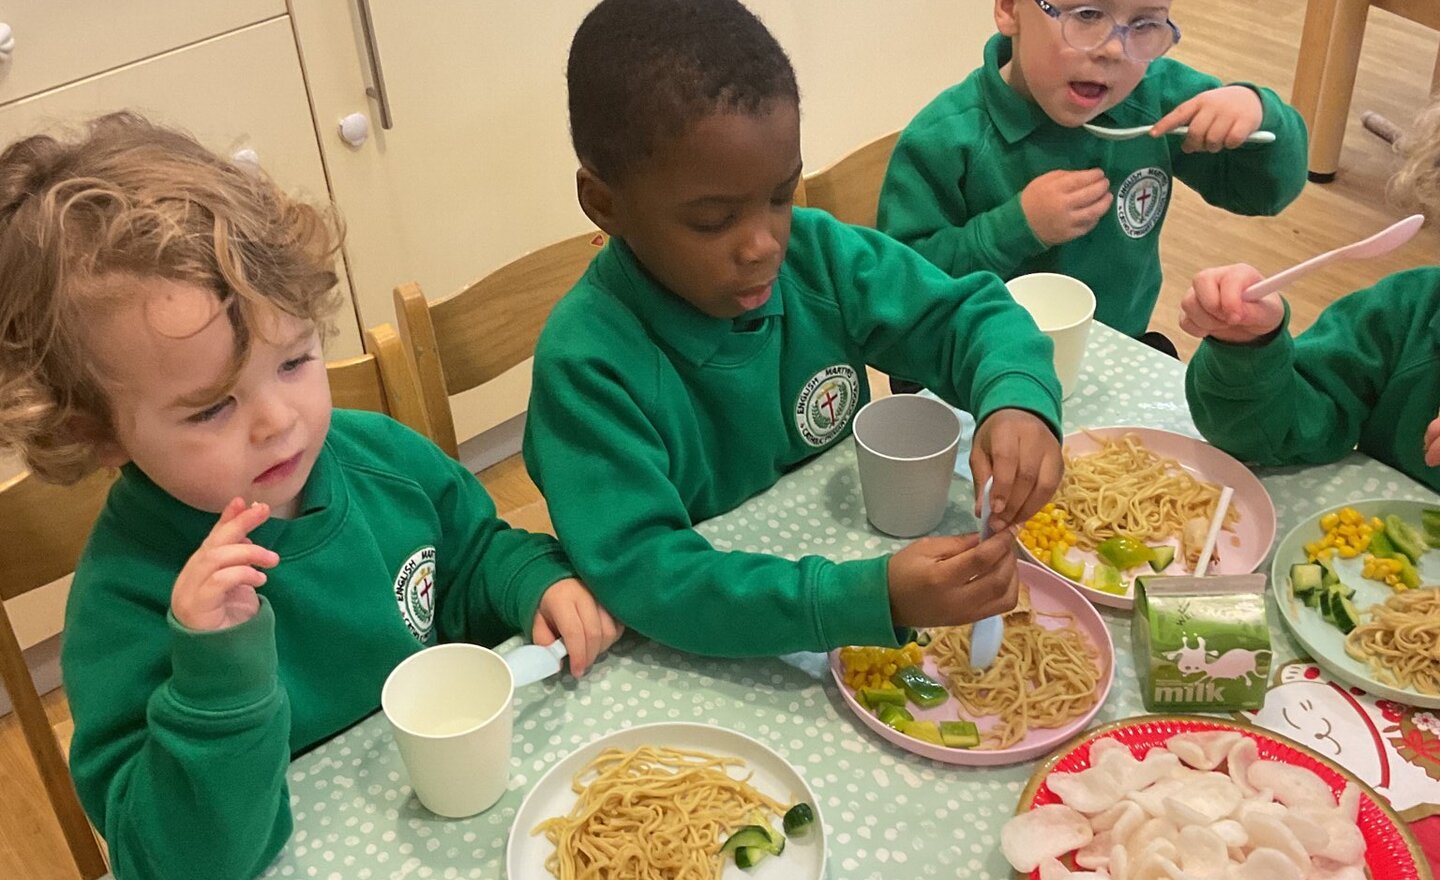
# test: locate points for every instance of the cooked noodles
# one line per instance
(1401, 641)
(1041, 677)
(651, 814)
(1126, 489)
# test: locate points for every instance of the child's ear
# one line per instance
(597, 200)
(1005, 19)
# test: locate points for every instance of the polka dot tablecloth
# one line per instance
(890, 813)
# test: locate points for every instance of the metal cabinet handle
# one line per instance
(377, 74)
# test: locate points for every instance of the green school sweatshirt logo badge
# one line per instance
(826, 403)
(415, 592)
(1141, 200)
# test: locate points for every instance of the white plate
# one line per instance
(803, 859)
(1237, 552)
(1319, 636)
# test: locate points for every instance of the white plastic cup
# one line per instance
(906, 445)
(1063, 308)
(451, 709)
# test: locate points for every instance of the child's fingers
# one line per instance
(979, 472)
(571, 627)
(1432, 432)
(1181, 115)
(1432, 455)
(217, 586)
(1239, 131)
(228, 555)
(1076, 181)
(234, 530)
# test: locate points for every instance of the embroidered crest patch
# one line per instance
(826, 403)
(415, 592)
(1141, 200)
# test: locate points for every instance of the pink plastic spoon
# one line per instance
(1377, 244)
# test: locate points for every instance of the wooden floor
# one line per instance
(1232, 39)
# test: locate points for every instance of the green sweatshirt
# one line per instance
(953, 188)
(182, 738)
(1367, 373)
(647, 416)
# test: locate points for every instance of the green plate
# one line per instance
(1319, 636)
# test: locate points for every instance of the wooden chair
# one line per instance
(43, 529)
(849, 188)
(381, 380)
(1330, 44)
(465, 340)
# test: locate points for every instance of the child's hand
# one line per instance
(947, 581)
(216, 588)
(568, 611)
(1219, 119)
(1061, 206)
(1432, 443)
(1021, 453)
(1213, 307)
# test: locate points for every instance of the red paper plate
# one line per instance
(1391, 853)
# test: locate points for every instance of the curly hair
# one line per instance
(82, 219)
(1417, 185)
(644, 70)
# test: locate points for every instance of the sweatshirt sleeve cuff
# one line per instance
(528, 585)
(1022, 391)
(228, 668)
(1272, 108)
(1007, 238)
(853, 603)
(1241, 366)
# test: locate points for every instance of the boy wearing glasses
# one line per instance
(998, 174)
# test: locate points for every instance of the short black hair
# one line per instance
(643, 70)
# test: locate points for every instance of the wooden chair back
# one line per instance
(382, 380)
(43, 528)
(465, 340)
(849, 187)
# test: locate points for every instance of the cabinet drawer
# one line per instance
(201, 89)
(60, 41)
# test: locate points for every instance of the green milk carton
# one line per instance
(1202, 644)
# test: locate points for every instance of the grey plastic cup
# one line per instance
(906, 446)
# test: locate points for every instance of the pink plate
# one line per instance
(1391, 853)
(1048, 592)
(1238, 552)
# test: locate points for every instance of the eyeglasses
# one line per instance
(1086, 28)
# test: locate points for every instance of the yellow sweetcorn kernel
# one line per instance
(1047, 529)
(1346, 533)
(868, 666)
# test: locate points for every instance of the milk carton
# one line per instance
(1202, 644)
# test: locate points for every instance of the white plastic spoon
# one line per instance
(1128, 134)
(1380, 243)
(986, 635)
(531, 663)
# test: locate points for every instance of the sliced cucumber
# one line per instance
(1345, 615)
(1164, 555)
(750, 856)
(748, 837)
(799, 819)
(1305, 578)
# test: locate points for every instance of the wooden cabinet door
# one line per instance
(61, 41)
(243, 90)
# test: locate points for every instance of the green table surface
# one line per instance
(889, 813)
